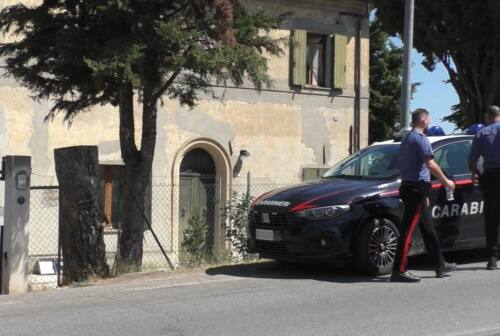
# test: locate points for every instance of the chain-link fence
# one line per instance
(193, 221)
(199, 221)
(43, 244)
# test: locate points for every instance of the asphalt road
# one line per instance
(266, 299)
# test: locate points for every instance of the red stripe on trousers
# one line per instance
(406, 248)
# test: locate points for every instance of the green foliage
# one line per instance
(197, 242)
(77, 53)
(386, 68)
(463, 36)
(235, 215)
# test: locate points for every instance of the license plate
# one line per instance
(267, 235)
(265, 218)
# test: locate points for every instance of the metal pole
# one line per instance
(408, 46)
(248, 185)
(146, 220)
(1, 257)
(59, 246)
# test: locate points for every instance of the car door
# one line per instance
(458, 222)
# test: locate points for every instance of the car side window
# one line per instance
(453, 158)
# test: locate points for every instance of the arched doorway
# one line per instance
(197, 199)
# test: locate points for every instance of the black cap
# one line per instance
(493, 111)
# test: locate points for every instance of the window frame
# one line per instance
(110, 184)
(108, 197)
(334, 58)
(442, 146)
(326, 58)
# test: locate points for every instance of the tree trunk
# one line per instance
(138, 167)
(134, 204)
(81, 227)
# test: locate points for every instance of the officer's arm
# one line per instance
(438, 172)
(425, 152)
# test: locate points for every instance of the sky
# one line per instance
(433, 94)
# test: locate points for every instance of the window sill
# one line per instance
(317, 88)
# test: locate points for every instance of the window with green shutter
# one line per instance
(339, 57)
(299, 47)
(318, 60)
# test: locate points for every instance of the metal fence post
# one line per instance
(248, 185)
(1, 257)
(59, 252)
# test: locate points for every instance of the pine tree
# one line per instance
(386, 68)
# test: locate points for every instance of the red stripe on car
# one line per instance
(310, 204)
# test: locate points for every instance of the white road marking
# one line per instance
(487, 331)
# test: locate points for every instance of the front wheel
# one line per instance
(376, 246)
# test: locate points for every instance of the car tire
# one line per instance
(376, 246)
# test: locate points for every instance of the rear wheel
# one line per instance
(376, 246)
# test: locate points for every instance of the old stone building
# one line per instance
(315, 114)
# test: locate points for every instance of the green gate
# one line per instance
(197, 200)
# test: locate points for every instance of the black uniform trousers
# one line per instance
(490, 185)
(415, 196)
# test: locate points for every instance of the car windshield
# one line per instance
(378, 162)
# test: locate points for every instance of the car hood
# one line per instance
(319, 193)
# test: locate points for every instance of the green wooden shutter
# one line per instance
(299, 49)
(339, 57)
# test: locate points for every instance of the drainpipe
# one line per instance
(357, 87)
(356, 143)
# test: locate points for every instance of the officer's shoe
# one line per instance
(492, 264)
(404, 277)
(442, 271)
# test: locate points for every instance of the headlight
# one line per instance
(324, 212)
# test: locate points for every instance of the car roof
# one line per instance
(432, 139)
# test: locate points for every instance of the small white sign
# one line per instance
(267, 235)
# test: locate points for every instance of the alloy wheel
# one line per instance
(382, 246)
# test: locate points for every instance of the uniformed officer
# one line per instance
(416, 162)
(486, 144)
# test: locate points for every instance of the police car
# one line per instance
(352, 213)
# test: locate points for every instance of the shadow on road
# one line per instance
(462, 258)
(275, 270)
